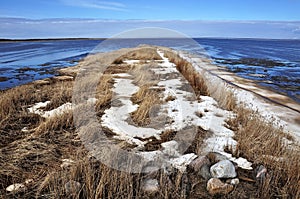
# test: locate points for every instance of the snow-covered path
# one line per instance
(182, 110)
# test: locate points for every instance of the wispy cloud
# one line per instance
(103, 5)
(16, 28)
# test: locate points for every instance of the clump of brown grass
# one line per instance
(38, 153)
(118, 61)
(61, 94)
(100, 181)
(261, 142)
(144, 53)
(188, 71)
(220, 92)
(143, 75)
(14, 115)
(104, 92)
(146, 98)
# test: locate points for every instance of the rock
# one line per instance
(234, 181)
(201, 166)
(25, 130)
(28, 181)
(16, 187)
(66, 163)
(170, 148)
(198, 163)
(183, 161)
(223, 169)
(150, 185)
(204, 172)
(215, 157)
(216, 186)
(242, 163)
(261, 172)
(72, 187)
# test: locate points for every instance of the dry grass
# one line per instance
(258, 140)
(262, 143)
(37, 154)
(104, 93)
(146, 101)
(187, 70)
(14, 103)
(61, 94)
(108, 183)
(146, 97)
(144, 53)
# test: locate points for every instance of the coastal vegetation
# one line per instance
(43, 157)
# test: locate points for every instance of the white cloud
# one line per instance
(53, 28)
(103, 5)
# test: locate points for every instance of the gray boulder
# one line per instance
(223, 169)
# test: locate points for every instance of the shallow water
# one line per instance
(272, 63)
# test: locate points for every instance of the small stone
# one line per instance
(28, 181)
(204, 172)
(261, 172)
(16, 187)
(170, 148)
(223, 169)
(216, 186)
(183, 161)
(150, 185)
(234, 181)
(25, 130)
(72, 187)
(198, 163)
(66, 163)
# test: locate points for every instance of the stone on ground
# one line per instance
(216, 187)
(223, 169)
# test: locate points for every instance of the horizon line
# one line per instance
(148, 20)
(104, 38)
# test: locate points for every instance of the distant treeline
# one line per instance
(50, 39)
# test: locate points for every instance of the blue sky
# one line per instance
(286, 10)
(196, 18)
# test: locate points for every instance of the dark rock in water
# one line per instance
(3, 79)
(24, 69)
(223, 169)
(215, 157)
(252, 62)
(261, 172)
(216, 187)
